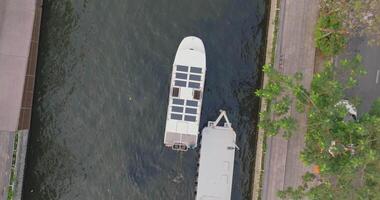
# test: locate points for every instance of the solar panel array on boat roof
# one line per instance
(179, 101)
(194, 85)
(195, 77)
(191, 110)
(190, 77)
(190, 118)
(180, 111)
(192, 103)
(184, 78)
(180, 83)
(176, 116)
(177, 109)
(182, 68)
(197, 70)
(181, 76)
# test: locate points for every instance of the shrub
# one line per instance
(375, 109)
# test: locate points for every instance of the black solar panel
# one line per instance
(197, 70)
(180, 83)
(191, 111)
(195, 77)
(190, 118)
(176, 116)
(194, 85)
(178, 101)
(192, 103)
(182, 68)
(181, 76)
(177, 109)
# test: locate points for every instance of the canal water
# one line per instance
(102, 89)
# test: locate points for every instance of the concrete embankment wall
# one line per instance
(257, 176)
(27, 98)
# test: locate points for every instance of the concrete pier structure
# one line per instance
(19, 34)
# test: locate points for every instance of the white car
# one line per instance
(350, 108)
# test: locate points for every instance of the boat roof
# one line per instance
(186, 92)
(216, 163)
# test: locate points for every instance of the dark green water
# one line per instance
(102, 88)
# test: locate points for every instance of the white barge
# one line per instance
(186, 92)
(216, 163)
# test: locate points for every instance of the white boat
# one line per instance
(216, 162)
(186, 92)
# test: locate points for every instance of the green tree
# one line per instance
(346, 151)
(329, 36)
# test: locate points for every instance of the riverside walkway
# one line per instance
(295, 52)
(19, 33)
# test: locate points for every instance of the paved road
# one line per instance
(6, 146)
(295, 53)
(368, 88)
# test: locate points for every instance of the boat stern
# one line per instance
(180, 135)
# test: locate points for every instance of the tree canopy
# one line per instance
(346, 150)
